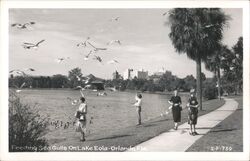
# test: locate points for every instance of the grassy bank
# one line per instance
(120, 140)
(227, 136)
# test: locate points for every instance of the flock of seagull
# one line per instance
(57, 124)
(86, 43)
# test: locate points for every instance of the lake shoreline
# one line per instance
(128, 90)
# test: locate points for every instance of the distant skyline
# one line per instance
(144, 41)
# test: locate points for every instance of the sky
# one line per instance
(145, 43)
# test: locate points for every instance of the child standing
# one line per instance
(81, 114)
(138, 104)
(192, 112)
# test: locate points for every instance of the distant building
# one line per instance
(97, 84)
(140, 74)
(131, 74)
(128, 74)
(116, 75)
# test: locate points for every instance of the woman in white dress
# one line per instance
(81, 115)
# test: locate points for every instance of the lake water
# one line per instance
(113, 111)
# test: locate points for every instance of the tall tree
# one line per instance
(196, 32)
(233, 66)
(214, 64)
(75, 76)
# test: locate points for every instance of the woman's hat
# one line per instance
(82, 99)
(139, 95)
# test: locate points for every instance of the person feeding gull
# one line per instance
(31, 45)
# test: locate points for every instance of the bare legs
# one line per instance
(83, 136)
(192, 130)
(175, 125)
(139, 117)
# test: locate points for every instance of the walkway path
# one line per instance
(180, 140)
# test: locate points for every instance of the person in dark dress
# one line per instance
(175, 101)
(192, 112)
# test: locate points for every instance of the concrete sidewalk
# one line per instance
(180, 140)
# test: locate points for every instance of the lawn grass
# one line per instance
(227, 136)
(133, 135)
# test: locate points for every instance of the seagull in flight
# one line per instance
(114, 41)
(31, 45)
(73, 101)
(87, 79)
(112, 61)
(84, 44)
(22, 26)
(19, 88)
(210, 25)
(17, 71)
(98, 58)
(78, 78)
(164, 14)
(30, 69)
(79, 87)
(115, 19)
(95, 48)
(87, 56)
(59, 60)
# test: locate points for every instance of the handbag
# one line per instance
(82, 118)
(78, 114)
(180, 108)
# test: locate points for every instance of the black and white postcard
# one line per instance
(125, 80)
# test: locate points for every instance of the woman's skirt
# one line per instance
(81, 126)
(176, 111)
(192, 117)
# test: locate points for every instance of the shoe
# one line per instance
(196, 133)
(190, 133)
(193, 133)
(82, 140)
(175, 128)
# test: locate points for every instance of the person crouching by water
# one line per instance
(81, 114)
(192, 112)
(175, 101)
(138, 104)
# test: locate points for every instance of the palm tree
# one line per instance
(214, 64)
(197, 32)
(232, 66)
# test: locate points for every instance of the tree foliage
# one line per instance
(197, 32)
(75, 76)
(232, 66)
(26, 127)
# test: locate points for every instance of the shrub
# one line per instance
(210, 92)
(26, 127)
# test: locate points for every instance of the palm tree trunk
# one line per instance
(199, 81)
(219, 88)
